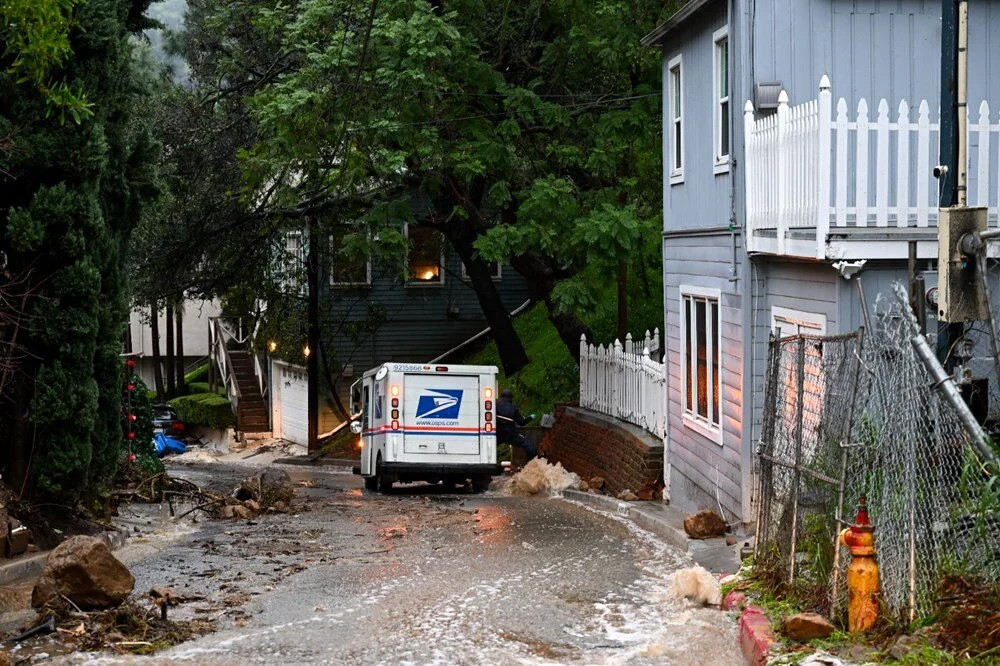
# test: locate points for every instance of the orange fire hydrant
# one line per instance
(862, 574)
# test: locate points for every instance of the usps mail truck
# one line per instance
(431, 423)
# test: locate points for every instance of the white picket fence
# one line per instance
(807, 168)
(626, 381)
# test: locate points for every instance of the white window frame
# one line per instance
(720, 162)
(289, 258)
(496, 277)
(675, 117)
(410, 282)
(368, 272)
(804, 323)
(691, 419)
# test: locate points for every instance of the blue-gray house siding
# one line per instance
(870, 49)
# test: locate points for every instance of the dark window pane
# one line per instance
(702, 350)
(425, 255)
(724, 111)
(677, 145)
(689, 380)
(716, 355)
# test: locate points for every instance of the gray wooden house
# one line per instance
(799, 141)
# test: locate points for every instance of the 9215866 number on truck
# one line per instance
(431, 423)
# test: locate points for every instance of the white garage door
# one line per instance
(294, 403)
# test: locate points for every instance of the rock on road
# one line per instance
(422, 577)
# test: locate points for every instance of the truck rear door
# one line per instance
(441, 414)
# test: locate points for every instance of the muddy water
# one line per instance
(422, 577)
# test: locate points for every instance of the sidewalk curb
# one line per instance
(634, 512)
(29, 567)
(756, 636)
(306, 461)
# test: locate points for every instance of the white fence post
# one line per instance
(861, 167)
(903, 166)
(781, 205)
(823, 168)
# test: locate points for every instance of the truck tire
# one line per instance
(448, 484)
(480, 484)
(371, 483)
(382, 480)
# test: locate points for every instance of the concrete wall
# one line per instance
(591, 444)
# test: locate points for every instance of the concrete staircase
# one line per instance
(252, 414)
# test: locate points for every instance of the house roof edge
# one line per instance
(659, 34)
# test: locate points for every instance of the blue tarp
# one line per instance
(164, 445)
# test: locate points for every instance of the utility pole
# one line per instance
(948, 160)
(312, 333)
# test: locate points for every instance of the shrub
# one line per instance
(203, 387)
(205, 409)
(146, 463)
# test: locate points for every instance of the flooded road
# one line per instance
(421, 577)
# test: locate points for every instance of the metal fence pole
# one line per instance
(844, 448)
(800, 363)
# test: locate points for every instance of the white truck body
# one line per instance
(426, 422)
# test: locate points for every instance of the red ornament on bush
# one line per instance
(130, 363)
(131, 457)
(131, 435)
(131, 387)
(131, 417)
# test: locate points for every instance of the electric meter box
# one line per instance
(961, 294)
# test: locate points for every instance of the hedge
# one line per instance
(203, 387)
(205, 409)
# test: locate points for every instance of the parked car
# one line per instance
(165, 420)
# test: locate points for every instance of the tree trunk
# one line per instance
(622, 329)
(179, 343)
(312, 336)
(154, 331)
(171, 369)
(512, 354)
(541, 278)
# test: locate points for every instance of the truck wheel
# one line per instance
(480, 484)
(383, 481)
(371, 483)
(448, 484)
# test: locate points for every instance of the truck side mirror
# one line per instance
(356, 427)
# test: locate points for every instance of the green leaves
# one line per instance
(36, 38)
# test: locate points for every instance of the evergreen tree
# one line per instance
(72, 187)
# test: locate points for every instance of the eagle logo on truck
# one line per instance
(439, 404)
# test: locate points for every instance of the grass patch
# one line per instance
(199, 374)
(552, 375)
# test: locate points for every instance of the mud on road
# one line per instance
(421, 576)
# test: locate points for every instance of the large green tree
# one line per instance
(77, 166)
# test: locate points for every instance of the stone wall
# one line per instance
(591, 444)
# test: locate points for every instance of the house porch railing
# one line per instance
(813, 169)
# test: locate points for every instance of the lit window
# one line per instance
(721, 78)
(676, 121)
(426, 258)
(495, 270)
(346, 269)
(700, 359)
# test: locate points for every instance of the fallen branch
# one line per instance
(200, 506)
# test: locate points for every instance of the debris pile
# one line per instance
(697, 584)
(539, 476)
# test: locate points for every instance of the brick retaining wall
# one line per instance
(592, 444)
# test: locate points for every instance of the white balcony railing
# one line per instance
(812, 170)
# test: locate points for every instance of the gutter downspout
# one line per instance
(962, 103)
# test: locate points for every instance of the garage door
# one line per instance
(294, 406)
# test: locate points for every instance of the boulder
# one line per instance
(83, 570)
(807, 626)
(627, 495)
(252, 505)
(232, 511)
(704, 525)
(596, 482)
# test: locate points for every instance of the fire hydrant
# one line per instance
(862, 574)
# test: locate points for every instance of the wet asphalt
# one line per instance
(421, 577)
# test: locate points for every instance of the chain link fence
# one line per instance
(862, 415)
